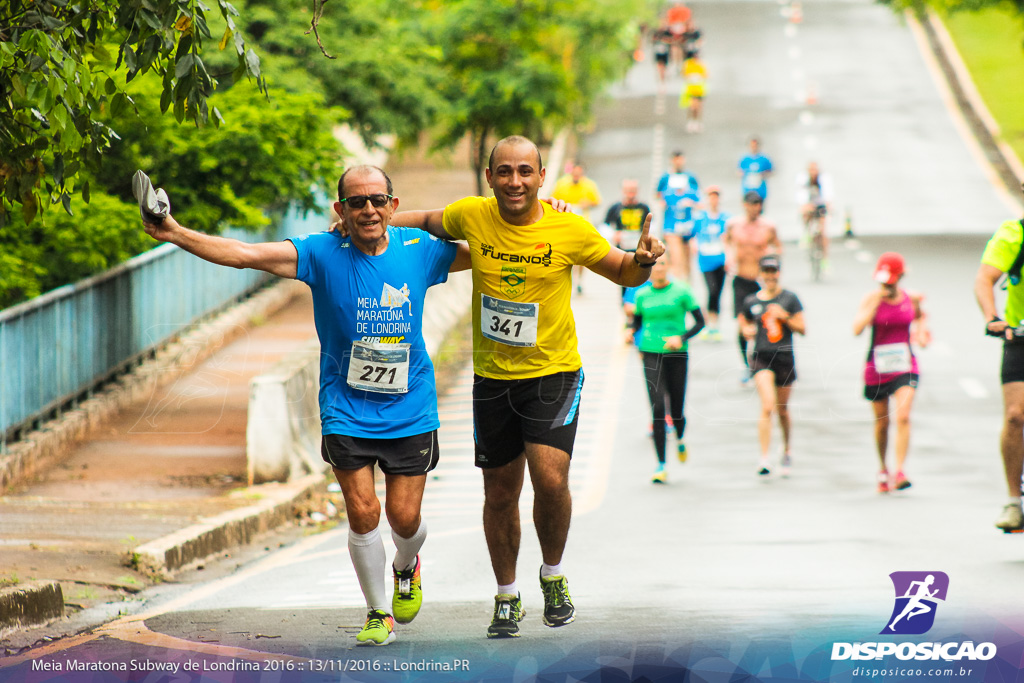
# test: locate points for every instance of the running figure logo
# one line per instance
(917, 596)
(391, 297)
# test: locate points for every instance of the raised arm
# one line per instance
(866, 312)
(631, 269)
(276, 258)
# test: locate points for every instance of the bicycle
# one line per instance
(814, 224)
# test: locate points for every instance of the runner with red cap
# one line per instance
(891, 372)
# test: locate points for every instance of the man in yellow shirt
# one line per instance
(1003, 255)
(528, 370)
(581, 192)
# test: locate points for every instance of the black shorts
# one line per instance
(782, 364)
(1013, 362)
(741, 289)
(407, 455)
(880, 392)
(661, 58)
(509, 413)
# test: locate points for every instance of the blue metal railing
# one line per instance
(61, 344)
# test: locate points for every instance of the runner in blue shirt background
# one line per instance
(708, 229)
(754, 169)
(679, 192)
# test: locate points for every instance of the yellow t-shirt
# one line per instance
(582, 195)
(1000, 252)
(522, 282)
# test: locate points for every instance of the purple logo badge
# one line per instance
(917, 596)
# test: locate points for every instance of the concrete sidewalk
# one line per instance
(169, 471)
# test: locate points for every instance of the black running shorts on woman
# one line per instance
(509, 413)
(407, 455)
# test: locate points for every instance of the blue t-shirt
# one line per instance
(708, 231)
(674, 187)
(378, 299)
(754, 168)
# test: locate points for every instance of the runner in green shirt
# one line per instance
(661, 316)
(1000, 257)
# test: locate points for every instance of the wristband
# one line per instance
(643, 265)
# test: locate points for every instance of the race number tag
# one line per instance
(507, 322)
(892, 358)
(753, 180)
(712, 248)
(381, 368)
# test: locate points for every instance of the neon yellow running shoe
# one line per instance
(508, 612)
(682, 451)
(378, 630)
(558, 608)
(408, 595)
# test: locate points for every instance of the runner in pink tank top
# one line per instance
(896, 320)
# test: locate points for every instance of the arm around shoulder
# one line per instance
(431, 221)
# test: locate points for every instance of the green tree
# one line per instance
(384, 71)
(528, 66)
(263, 157)
(61, 67)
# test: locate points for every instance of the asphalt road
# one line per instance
(720, 572)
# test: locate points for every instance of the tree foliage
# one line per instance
(528, 66)
(90, 91)
(64, 62)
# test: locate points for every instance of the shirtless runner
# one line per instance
(747, 239)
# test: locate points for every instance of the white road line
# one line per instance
(973, 388)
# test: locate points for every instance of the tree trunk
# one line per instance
(478, 150)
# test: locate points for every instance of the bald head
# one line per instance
(362, 171)
(515, 141)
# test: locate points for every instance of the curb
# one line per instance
(198, 542)
(31, 604)
(981, 126)
(971, 94)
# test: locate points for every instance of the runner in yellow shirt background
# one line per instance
(581, 192)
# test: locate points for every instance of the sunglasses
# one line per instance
(358, 201)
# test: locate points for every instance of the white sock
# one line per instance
(408, 548)
(547, 570)
(508, 590)
(367, 552)
(1015, 501)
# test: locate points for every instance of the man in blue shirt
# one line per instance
(754, 169)
(709, 229)
(378, 402)
(678, 191)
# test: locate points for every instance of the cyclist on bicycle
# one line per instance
(814, 195)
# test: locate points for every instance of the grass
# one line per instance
(991, 42)
(9, 580)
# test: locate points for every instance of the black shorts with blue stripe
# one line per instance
(509, 413)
